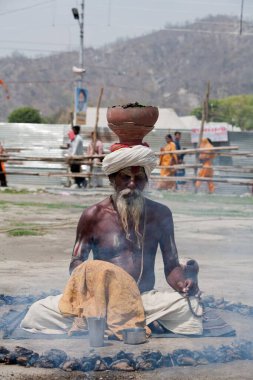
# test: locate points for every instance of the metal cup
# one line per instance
(96, 326)
(135, 335)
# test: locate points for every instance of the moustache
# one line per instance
(126, 193)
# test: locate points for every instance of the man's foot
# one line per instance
(156, 328)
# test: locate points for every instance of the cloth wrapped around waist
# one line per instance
(99, 288)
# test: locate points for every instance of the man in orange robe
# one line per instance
(206, 159)
(168, 160)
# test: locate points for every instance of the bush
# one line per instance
(25, 115)
(235, 110)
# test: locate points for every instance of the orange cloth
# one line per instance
(103, 289)
(168, 160)
(2, 167)
(206, 171)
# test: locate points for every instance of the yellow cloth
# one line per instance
(167, 160)
(99, 288)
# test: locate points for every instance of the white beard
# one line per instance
(130, 205)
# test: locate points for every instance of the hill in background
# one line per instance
(167, 68)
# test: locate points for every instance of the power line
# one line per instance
(25, 8)
(35, 43)
(205, 31)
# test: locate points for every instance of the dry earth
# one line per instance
(217, 231)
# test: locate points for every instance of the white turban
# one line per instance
(137, 155)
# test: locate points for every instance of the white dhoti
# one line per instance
(44, 316)
(170, 309)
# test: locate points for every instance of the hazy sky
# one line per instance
(38, 27)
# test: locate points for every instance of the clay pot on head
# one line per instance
(131, 123)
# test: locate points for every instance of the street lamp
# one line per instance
(75, 13)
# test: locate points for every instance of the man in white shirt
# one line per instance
(76, 149)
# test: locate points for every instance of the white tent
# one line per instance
(191, 122)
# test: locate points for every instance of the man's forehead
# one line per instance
(133, 170)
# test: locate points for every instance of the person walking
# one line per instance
(180, 158)
(169, 159)
(76, 149)
(206, 158)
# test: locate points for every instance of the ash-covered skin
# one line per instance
(100, 230)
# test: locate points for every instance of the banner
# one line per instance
(81, 102)
(215, 132)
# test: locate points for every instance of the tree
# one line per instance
(25, 115)
(235, 110)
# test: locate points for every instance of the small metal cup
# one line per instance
(96, 326)
(135, 335)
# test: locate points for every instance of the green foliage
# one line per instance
(25, 115)
(235, 110)
(23, 232)
(197, 112)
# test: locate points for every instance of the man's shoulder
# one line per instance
(97, 208)
(157, 207)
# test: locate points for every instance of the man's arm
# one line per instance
(82, 245)
(173, 272)
(79, 255)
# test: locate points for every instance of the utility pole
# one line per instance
(204, 119)
(80, 92)
(241, 17)
(81, 42)
(204, 113)
(80, 19)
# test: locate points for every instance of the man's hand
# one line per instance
(188, 287)
(185, 286)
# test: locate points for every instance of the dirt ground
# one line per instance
(216, 231)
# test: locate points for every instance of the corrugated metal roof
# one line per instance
(42, 140)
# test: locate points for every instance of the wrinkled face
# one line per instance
(128, 185)
(131, 178)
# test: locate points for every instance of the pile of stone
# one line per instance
(126, 361)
